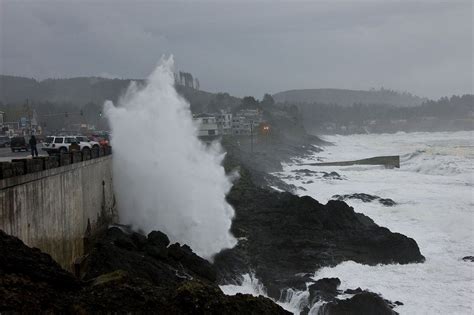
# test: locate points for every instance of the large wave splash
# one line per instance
(165, 178)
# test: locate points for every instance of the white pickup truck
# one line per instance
(61, 144)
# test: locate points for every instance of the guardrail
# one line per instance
(18, 167)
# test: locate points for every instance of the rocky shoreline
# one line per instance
(125, 273)
(283, 240)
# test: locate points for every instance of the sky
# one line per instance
(248, 47)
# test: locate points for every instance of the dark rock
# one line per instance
(468, 258)
(366, 198)
(156, 252)
(31, 282)
(194, 298)
(175, 251)
(305, 172)
(286, 235)
(158, 238)
(332, 175)
(17, 258)
(324, 290)
(353, 291)
(153, 261)
(139, 240)
(125, 243)
(387, 202)
(30, 278)
(365, 303)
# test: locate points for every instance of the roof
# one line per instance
(203, 115)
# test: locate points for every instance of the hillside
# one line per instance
(348, 97)
(83, 90)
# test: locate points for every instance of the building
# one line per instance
(11, 128)
(224, 122)
(2, 115)
(246, 122)
(207, 125)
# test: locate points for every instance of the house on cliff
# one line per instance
(207, 125)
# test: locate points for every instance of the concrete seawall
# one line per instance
(392, 161)
(52, 208)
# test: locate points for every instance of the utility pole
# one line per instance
(251, 136)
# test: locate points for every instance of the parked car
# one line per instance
(4, 141)
(61, 144)
(19, 143)
(102, 139)
(87, 140)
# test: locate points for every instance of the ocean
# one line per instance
(434, 192)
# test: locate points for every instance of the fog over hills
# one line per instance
(345, 97)
(94, 90)
(82, 90)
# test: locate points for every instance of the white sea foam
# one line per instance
(165, 178)
(435, 196)
(293, 301)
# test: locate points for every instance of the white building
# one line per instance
(224, 122)
(207, 125)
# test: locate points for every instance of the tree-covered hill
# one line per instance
(348, 97)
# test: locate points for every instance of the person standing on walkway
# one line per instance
(34, 150)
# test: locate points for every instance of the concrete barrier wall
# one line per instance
(52, 209)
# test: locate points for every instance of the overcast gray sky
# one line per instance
(248, 48)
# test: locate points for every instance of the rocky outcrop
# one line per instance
(324, 292)
(125, 272)
(365, 303)
(366, 198)
(305, 173)
(284, 238)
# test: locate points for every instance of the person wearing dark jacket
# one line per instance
(34, 150)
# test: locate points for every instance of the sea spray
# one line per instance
(165, 177)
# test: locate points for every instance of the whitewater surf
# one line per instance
(433, 192)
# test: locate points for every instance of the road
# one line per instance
(6, 154)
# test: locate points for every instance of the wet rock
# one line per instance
(387, 202)
(305, 172)
(366, 198)
(29, 278)
(139, 240)
(468, 258)
(332, 175)
(31, 282)
(31, 263)
(286, 235)
(353, 291)
(324, 290)
(365, 303)
(154, 261)
(158, 238)
(156, 251)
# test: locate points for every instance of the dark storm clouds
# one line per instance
(248, 48)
